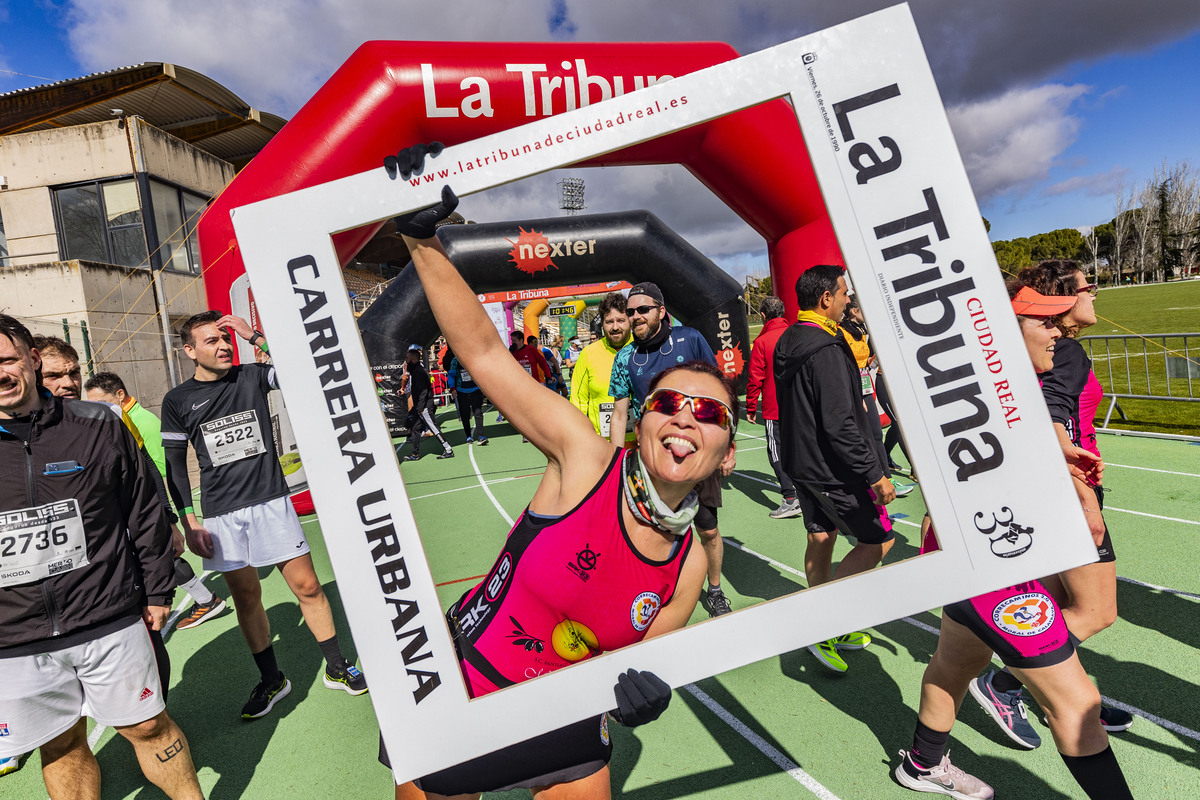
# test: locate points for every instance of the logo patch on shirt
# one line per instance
(499, 579)
(4, 731)
(198, 406)
(1025, 615)
(585, 562)
(644, 610)
(146, 694)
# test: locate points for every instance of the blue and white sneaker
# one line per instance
(10, 764)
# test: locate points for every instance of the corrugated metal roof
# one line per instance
(179, 100)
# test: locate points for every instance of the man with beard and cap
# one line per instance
(656, 346)
(593, 365)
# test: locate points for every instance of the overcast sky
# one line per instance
(1053, 102)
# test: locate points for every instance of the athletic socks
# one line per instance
(1005, 681)
(1099, 775)
(185, 578)
(198, 591)
(267, 668)
(928, 747)
(331, 651)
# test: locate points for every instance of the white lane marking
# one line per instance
(486, 490)
(752, 478)
(780, 760)
(751, 449)
(471, 488)
(752, 436)
(771, 561)
(1151, 469)
(1155, 516)
(1156, 587)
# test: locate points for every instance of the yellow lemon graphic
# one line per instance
(290, 462)
(572, 640)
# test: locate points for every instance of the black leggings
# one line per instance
(894, 437)
(470, 404)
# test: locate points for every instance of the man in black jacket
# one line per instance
(85, 565)
(826, 446)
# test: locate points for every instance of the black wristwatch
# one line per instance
(256, 338)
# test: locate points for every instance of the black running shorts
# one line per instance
(560, 756)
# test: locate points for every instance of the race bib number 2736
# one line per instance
(41, 541)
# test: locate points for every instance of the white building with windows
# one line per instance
(102, 182)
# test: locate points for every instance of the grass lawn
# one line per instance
(1145, 310)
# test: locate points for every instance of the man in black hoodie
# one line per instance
(826, 447)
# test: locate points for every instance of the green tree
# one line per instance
(1012, 256)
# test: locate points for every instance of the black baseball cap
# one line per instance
(649, 290)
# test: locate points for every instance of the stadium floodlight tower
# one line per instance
(570, 195)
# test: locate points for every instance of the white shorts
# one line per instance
(257, 536)
(43, 695)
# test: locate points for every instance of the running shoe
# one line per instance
(827, 654)
(411, 457)
(1007, 709)
(447, 454)
(482, 441)
(903, 489)
(789, 508)
(945, 779)
(470, 439)
(1114, 719)
(265, 696)
(345, 676)
(715, 602)
(10, 764)
(201, 612)
(855, 640)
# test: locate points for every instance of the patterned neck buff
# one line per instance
(815, 318)
(646, 505)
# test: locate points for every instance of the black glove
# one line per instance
(641, 697)
(422, 224)
(411, 160)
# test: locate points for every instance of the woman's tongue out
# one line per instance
(679, 446)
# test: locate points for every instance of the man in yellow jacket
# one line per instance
(590, 377)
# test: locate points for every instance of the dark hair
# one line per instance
(107, 382)
(771, 308)
(195, 321)
(814, 282)
(613, 301)
(1054, 278)
(516, 334)
(52, 345)
(531, 338)
(704, 368)
(16, 332)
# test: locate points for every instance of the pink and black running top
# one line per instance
(563, 589)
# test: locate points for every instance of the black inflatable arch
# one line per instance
(633, 246)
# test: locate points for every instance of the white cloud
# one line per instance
(1103, 184)
(1009, 143)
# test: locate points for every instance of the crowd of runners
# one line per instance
(98, 506)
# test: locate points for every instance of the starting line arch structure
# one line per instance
(389, 95)
(634, 246)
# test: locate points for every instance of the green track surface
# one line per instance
(779, 728)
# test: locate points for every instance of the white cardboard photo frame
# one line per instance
(838, 81)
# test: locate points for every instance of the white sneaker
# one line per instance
(945, 779)
(789, 508)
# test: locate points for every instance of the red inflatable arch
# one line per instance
(392, 94)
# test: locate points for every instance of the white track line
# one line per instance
(1159, 588)
(781, 761)
(470, 488)
(1155, 516)
(1151, 469)
(484, 486)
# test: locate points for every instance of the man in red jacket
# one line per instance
(762, 381)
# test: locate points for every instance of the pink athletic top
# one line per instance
(562, 590)
(1089, 401)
